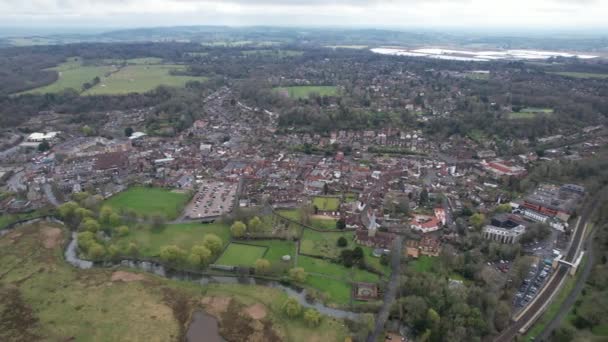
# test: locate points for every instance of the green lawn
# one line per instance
(183, 235)
(423, 263)
(580, 74)
(277, 249)
(241, 255)
(7, 219)
(140, 78)
(72, 75)
(335, 291)
(374, 261)
(530, 112)
(303, 92)
(147, 201)
(326, 223)
(326, 203)
(324, 244)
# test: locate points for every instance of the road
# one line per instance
(48, 191)
(391, 291)
(561, 272)
(573, 295)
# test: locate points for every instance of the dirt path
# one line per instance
(50, 237)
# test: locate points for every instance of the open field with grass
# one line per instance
(324, 244)
(277, 249)
(304, 92)
(7, 219)
(334, 291)
(238, 254)
(580, 74)
(326, 203)
(529, 113)
(148, 201)
(316, 221)
(72, 75)
(56, 302)
(140, 78)
(184, 235)
(423, 263)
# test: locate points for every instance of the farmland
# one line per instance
(581, 74)
(304, 92)
(116, 76)
(148, 201)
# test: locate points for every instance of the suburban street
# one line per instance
(391, 291)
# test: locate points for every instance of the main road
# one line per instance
(560, 274)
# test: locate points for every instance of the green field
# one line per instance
(277, 249)
(326, 203)
(238, 254)
(580, 74)
(184, 235)
(335, 291)
(304, 92)
(324, 244)
(46, 297)
(148, 201)
(478, 76)
(424, 263)
(140, 78)
(316, 221)
(530, 112)
(72, 75)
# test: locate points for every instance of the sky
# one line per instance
(429, 14)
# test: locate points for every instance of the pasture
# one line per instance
(148, 201)
(140, 78)
(238, 254)
(304, 92)
(326, 203)
(580, 74)
(324, 244)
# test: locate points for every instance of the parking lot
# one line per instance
(534, 281)
(214, 198)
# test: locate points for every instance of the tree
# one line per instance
(213, 243)
(341, 224)
(128, 132)
(292, 308)
(199, 256)
(96, 251)
(312, 317)
(342, 242)
(262, 266)
(67, 212)
(132, 249)
(238, 229)
(255, 224)
(114, 220)
(91, 225)
(503, 208)
(424, 197)
(172, 254)
(122, 231)
(306, 212)
(384, 259)
(113, 251)
(88, 131)
(358, 253)
(104, 214)
(298, 274)
(477, 220)
(346, 256)
(44, 146)
(159, 222)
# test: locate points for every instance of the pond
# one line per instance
(203, 328)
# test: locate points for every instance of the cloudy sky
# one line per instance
(501, 14)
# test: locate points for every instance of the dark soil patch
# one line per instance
(182, 306)
(17, 320)
(237, 325)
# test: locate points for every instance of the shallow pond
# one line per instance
(203, 328)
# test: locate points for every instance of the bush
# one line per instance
(342, 242)
(292, 308)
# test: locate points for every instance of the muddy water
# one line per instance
(203, 328)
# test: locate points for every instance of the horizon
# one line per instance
(462, 15)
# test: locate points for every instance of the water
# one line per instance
(203, 328)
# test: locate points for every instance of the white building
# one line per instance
(40, 137)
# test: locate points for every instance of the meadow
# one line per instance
(238, 254)
(530, 112)
(304, 92)
(324, 244)
(581, 74)
(148, 201)
(326, 203)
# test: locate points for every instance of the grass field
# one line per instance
(326, 203)
(335, 291)
(580, 74)
(316, 221)
(303, 92)
(530, 112)
(423, 263)
(277, 249)
(148, 201)
(183, 235)
(324, 244)
(56, 302)
(72, 75)
(241, 255)
(140, 78)
(7, 219)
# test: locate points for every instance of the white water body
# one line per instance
(478, 56)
